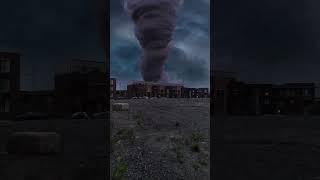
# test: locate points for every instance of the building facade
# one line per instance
(257, 99)
(150, 89)
(36, 101)
(113, 87)
(9, 83)
(122, 94)
(195, 93)
(81, 91)
(221, 81)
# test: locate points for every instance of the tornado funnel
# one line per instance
(155, 22)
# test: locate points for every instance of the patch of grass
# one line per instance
(197, 137)
(123, 134)
(195, 148)
(179, 154)
(202, 162)
(196, 166)
(139, 117)
(120, 170)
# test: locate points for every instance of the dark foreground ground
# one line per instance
(165, 139)
(267, 148)
(83, 155)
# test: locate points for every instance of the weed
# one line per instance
(179, 154)
(120, 170)
(139, 117)
(203, 162)
(197, 137)
(123, 134)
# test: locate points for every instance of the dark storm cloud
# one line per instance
(191, 38)
(50, 32)
(267, 40)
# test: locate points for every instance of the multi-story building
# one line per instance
(9, 83)
(151, 89)
(113, 87)
(122, 94)
(195, 93)
(293, 97)
(81, 90)
(36, 101)
(221, 81)
(259, 99)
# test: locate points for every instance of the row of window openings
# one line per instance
(4, 66)
(4, 105)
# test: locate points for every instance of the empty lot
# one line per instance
(161, 139)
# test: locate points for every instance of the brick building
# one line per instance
(113, 87)
(220, 91)
(195, 93)
(122, 94)
(81, 89)
(36, 101)
(9, 83)
(150, 89)
(257, 99)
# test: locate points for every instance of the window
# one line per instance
(220, 92)
(4, 105)
(4, 65)
(4, 85)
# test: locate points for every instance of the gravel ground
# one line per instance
(83, 155)
(161, 139)
(267, 147)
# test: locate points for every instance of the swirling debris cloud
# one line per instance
(155, 21)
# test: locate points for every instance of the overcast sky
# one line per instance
(188, 61)
(268, 41)
(47, 33)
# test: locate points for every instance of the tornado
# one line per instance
(154, 21)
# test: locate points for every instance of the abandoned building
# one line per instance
(150, 89)
(81, 88)
(113, 87)
(9, 83)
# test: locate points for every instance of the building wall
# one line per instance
(113, 87)
(220, 94)
(9, 83)
(76, 92)
(141, 89)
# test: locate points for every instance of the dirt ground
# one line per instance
(161, 139)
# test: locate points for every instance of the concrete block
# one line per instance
(120, 107)
(41, 143)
